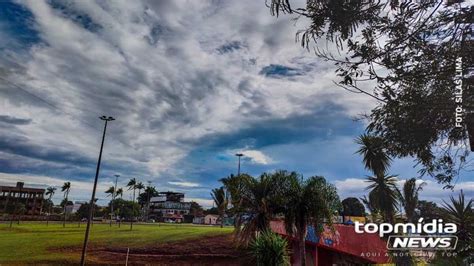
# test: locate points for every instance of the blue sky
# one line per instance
(190, 83)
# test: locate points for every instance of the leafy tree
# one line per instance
(83, 211)
(427, 210)
(196, 209)
(352, 207)
(65, 188)
(374, 155)
(119, 192)
(125, 208)
(406, 53)
(311, 202)
(221, 200)
(212, 210)
(409, 197)
(270, 249)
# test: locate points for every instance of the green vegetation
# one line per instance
(270, 249)
(35, 242)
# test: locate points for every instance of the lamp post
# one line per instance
(238, 168)
(86, 237)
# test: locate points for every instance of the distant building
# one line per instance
(31, 198)
(211, 219)
(198, 220)
(71, 209)
(169, 207)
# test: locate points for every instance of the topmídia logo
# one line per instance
(434, 235)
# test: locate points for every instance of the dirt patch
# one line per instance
(212, 250)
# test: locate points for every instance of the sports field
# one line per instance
(38, 243)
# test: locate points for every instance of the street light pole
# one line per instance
(86, 238)
(238, 168)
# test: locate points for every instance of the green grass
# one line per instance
(36, 242)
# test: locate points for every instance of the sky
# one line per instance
(190, 83)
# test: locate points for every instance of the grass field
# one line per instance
(36, 242)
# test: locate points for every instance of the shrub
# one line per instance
(270, 249)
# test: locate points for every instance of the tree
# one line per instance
(140, 186)
(196, 209)
(234, 186)
(384, 194)
(50, 193)
(409, 51)
(144, 198)
(132, 185)
(261, 199)
(119, 192)
(270, 249)
(221, 200)
(427, 210)
(460, 212)
(311, 202)
(374, 155)
(383, 190)
(65, 188)
(409, 197)
(352, 207)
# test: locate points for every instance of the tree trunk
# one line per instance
(302, 244)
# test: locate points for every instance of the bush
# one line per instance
(270, 249)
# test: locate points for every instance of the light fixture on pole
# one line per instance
(86, 237)
(238, 168)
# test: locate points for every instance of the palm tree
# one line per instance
(150, 192)
(384, 194)
(119, 192)
(260, 198)
(374, 155)
(460, 212)
(409, 197)
(311, 202)
(132, 185)
(50, 193)
(140, 186)
(221, 200)
(65, 188)
(383, 188)
(111, 192)
(234, 186)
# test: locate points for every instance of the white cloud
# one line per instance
(184, 184)
(257, 157)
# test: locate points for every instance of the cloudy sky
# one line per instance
(190, 83)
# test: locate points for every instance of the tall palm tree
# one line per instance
(220, 198)
(132, 185)
(140, 186)
(460, 212)
(383, 190)
(111, 192)
(311, 202)
(409, 197)
(150, 192)
(384, 195)
(65, 188)
(50, 193)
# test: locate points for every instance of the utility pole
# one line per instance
(238, 168)
(91, 209)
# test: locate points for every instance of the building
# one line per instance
(71, 209)
(31, 198)
(169, 207)
(211, 219)
(198, 220)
